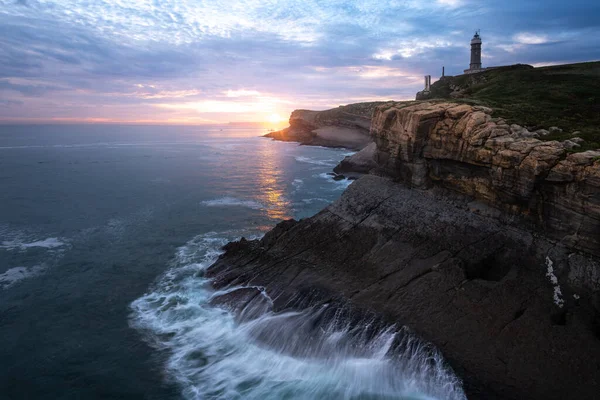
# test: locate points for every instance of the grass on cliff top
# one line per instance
(566, 96)
(360, 109)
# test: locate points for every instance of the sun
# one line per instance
(275, 118)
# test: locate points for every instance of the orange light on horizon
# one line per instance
(275, 119)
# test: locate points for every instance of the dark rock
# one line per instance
(360, 162)
(483, 240)
(473, 285)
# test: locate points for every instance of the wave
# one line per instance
(232, 201)
(14, 275)
(315, 200)
(213, 354)
(49, 243)
(297, 184)
(308, 160)
(339, 185)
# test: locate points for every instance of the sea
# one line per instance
(105, 231)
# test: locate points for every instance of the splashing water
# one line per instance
(261, 354)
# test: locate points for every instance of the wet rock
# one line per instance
(482, 239)
(361, 162)
(246, 303)
(472, 284)
(336, 177)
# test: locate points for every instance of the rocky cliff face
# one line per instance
(345, 126)
(489, 248)
(466, 150)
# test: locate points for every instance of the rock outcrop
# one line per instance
(481, 238)
(361, 162)
(345, 126)
(464, 149)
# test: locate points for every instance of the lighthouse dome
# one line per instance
(476, 39)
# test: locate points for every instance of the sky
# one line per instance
(216, 61)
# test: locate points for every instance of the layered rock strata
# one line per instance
(464, 149)
(479, 237)
(345, 126)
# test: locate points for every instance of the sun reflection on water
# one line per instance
(271, 182)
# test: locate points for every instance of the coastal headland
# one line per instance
(479, 232)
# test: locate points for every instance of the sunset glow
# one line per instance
(183, 61)
(275, 119)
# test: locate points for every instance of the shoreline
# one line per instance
(421, 241)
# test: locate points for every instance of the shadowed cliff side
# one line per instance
(481, 238)
(345, 126)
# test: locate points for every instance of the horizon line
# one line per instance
(138, 123)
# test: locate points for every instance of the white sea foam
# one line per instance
(309, 160)
(120, 226)
(339, 185)
(557, 295)
(232, 201)
(17, 243)
(14, 275)
(297, 184)
(315, 200)
(211, 354)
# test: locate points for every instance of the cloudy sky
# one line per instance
(206, 61)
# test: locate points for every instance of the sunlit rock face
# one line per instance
(344, 126)
(464, 149)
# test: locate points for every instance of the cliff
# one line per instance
(344, 126)
(564, 97)
(464, 149)
(480, 237)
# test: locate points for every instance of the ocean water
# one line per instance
(105, 232)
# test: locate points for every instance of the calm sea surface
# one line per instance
(104, 234)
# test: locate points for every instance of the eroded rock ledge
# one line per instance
(489, 248)
(464, 149)
(345, 126)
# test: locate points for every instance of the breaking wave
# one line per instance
(20, 244)
(339, 185)
(309, 160)
(14, 275)
(216, 354)
(232, 201)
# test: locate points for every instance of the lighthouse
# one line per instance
(475, 65)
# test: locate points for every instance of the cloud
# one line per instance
(451, 3)
(241, 93)
(530, 38)
(185, 60)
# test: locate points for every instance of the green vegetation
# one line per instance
(565, 96)
(360, 109)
